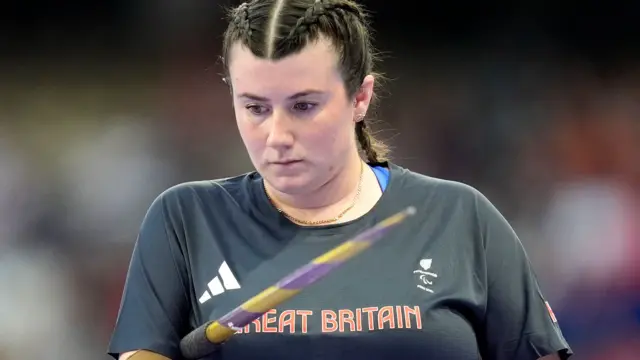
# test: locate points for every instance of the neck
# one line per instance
(328, 200)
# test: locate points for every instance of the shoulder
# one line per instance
(194, 194)
(447, 199)
(429, 188)
(188, 191)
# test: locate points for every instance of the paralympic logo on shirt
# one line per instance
(345, 320)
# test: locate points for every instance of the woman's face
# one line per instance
(294, 115)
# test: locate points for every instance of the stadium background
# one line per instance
(104, 104)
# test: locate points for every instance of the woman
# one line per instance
(453, 282)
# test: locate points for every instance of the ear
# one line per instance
(363, 97)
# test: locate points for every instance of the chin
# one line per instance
(292, 185)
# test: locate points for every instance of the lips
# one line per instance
(286, 162)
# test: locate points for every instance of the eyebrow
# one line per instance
(292, 97)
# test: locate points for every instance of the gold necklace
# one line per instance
(327, 221)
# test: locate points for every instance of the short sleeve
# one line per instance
(154, 306)
(519, 323)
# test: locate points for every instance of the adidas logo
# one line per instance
(217, 287)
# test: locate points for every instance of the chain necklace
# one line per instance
(327, 221)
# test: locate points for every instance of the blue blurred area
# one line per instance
(104, 106)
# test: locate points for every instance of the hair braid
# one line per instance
(368, 143)
(310, 17)
(322, 8)
(241, 19)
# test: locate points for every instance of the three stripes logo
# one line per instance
(219, 284)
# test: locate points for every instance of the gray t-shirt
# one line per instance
(452, 282)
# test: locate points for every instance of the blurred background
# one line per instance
(105, 104)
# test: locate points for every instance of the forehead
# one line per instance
(315, 67)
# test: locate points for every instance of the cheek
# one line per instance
(334, 137)
(250, 134)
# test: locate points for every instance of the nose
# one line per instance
(280, 130)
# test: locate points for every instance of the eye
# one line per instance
(304, 106)
(257, 109)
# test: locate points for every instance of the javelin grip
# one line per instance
(196, 343)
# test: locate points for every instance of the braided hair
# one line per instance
(274, 29)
